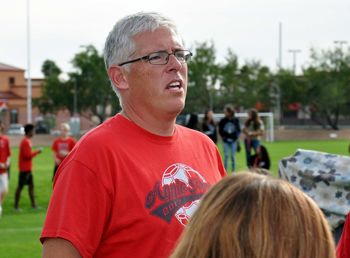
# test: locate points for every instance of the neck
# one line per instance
(162, 127)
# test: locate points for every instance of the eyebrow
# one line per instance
(164, 50)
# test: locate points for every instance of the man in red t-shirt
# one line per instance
(131, 184)
(62, 146)
(5, 155)
(26, 154)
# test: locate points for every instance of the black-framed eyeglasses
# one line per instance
(162, 57)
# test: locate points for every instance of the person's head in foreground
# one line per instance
(255, 216)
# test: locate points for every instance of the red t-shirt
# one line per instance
(61, 147)
(124, 192)
(343, 247)
(4, 151)
(26, 155)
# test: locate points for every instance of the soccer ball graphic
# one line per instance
(184, 214)
(182, 173)
(179, 172)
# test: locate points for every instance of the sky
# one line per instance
(250, 28)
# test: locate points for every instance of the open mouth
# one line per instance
(175, 85)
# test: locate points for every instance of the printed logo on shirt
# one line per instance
(63, 146)
(178, 194)
(229, 128)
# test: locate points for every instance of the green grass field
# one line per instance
(20, 231)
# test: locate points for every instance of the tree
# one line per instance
(327, 82)
(254, 85)
(289, 89)
(91, 83)
(87, 88)
(230, 90)
(203, 75)
(56, 93)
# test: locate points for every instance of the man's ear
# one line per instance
(117, 76)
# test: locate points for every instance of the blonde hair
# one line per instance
(255, 216)
(65, 126)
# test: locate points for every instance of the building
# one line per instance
(13, 102)
(13, 95)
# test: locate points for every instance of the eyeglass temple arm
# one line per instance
(134, 60)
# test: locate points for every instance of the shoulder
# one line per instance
(25, 140)
(97, 136)
(222, 120)
(72, 140)
(107, 135)
(5, 139)
(193, 135)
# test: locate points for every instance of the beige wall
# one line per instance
(4, 79)
(21, 90)
(18, 100)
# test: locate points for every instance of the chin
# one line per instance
(180, 106)
(176, 109)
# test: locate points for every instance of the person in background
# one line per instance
(209, 126)
(25, 157)
(261, 159)
(5, 157)
(62, 145)
(131, 184)
(253, 130)
(192, 121)
(230, 130)
(249, 215)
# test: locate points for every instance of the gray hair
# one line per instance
(119, 43)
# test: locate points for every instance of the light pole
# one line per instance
(29, 79)
(340, 43)
(294, 53)
(75, 100)
(280, 46)
(209, 86)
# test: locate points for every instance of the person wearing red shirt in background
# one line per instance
(5, 155)
(26, 154)
(62, 146)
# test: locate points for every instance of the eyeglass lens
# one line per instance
(162, 57)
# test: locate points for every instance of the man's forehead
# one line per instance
(161, 38)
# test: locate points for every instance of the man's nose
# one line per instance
(174, 63)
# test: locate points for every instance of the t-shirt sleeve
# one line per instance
(26, 150)
(8, 149)
(221, 167)
(79, 208)
(54, 146)
(343, 247)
